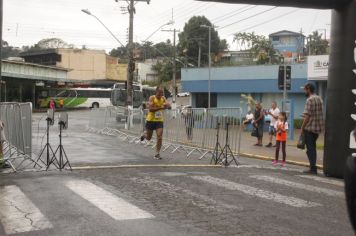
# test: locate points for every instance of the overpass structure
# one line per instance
(341, 110)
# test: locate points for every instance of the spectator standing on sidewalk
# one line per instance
(274, 113)
(258, 123)
(281, 127)
(189, 122)
(313, 124)
(52, 104)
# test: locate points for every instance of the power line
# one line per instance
(232, 12)
(254, 15)
(265, 22)
(239, 12)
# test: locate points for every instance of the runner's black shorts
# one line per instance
(153, 125)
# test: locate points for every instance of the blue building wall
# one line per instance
(259, 81)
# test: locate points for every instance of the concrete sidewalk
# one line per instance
(293, 153)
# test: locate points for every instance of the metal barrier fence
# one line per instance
(189, 130)
(17, 119)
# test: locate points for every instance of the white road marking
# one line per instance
(252, 191)
(115, 207)
(204, 202)
(18, 214)
(323, 180)
(311, 188)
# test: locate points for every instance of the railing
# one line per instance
(192, 130)
(17, 146)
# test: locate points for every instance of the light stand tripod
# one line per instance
(63, 158)
(47, 147)
(226, 151)
(217, 149)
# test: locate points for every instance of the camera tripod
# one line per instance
(63, 158)
(218, 149)
(226, 151)
(47, 147)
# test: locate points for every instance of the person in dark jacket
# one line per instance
(258, 123)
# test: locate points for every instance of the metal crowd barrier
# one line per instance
(191, 130)
(17, 119)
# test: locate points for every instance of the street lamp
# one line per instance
(86, 11)
(209, 86)
(171, 22)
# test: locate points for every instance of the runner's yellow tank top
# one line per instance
(158, 115)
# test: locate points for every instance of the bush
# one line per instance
(298, 123)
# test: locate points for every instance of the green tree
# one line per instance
(223, 45)
(188, 46)
(261, 48)
(316, 45)
(120, 52)
(164, 70)
(163, 49)
(53, 43)
(8, 51)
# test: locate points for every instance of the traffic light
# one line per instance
(281, 77)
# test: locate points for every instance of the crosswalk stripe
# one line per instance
(311, 188)
(18, 214)
(205, 201)
(252, 191)
(115, 207)
(323, 180)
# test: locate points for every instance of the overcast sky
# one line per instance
(28, 21)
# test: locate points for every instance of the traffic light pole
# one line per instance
(285, 81)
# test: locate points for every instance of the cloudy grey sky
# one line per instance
(28, 21)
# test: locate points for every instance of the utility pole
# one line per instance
(131, 62)
(174, 105)
(1, 17)
(199, 54)
(209, 55)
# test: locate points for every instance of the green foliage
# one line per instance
(298, 123)
(164, 70)
(190, 37)
(223, 45)
(316, 45)
(261, 47)
(8, 51)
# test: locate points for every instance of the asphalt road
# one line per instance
(254, 198)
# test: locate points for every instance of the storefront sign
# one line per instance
(318, 67)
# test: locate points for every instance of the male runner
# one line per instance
(154, 119)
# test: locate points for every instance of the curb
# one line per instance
(267, 158)
(141, 166)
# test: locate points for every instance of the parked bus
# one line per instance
(141, 94)
(75, 97)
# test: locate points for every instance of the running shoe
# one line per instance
(142, 138)
(283, 163)
(274, 162)
(157, 156)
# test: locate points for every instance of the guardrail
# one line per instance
(191, 130)
(17, 148)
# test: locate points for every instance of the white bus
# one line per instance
(75, 97)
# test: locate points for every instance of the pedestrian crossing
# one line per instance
(115, 207)
(18, 214)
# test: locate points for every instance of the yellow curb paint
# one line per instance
(141, 166)
(260, 157)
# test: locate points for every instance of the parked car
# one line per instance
(185, 94)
